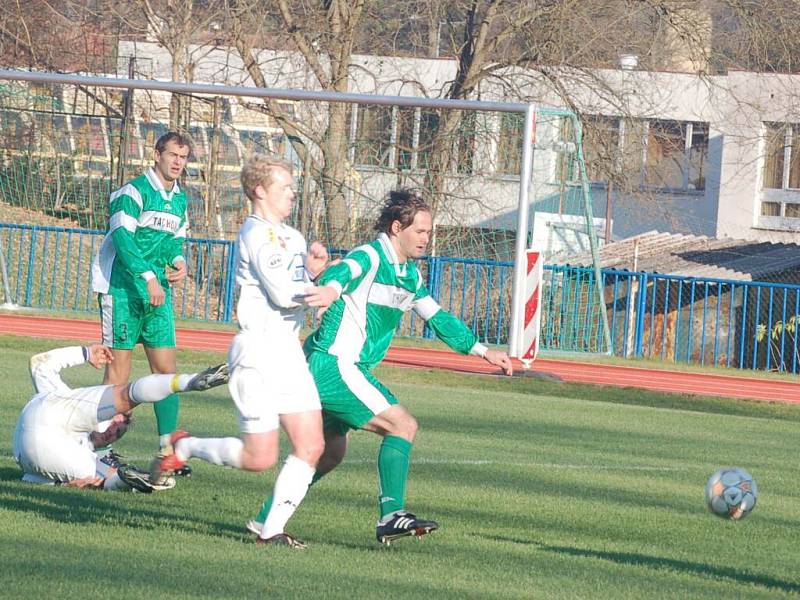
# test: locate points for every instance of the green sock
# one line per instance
(393, 458)
(262, 514)
(167, 414)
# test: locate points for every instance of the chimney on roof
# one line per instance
(686, 37)
(628, 62)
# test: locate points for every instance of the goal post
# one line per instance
(515, 178)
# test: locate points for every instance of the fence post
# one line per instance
(31, 264)
(641, 307)
(230, 283)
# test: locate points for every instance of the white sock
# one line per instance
(106, 409)
(290, 489)
(219, 451)
(115, 484)
(153, 388)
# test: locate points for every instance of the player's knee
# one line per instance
(259, 462)
(311, 452)
(407, 427)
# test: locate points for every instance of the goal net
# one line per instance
(65, 146)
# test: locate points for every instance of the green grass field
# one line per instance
(543, 490)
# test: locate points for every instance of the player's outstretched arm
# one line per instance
(321, 296)
(500, 359)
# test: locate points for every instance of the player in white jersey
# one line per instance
(59, 428)
(270, 382)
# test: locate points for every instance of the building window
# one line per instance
(428, 127)
(634, 134)
(404, 138)
(465, 143)
(601, 147)
(676, 155)
(655, 154)
(115, 140)
(509, 145)
(373, 136)
(52, 133)
(399, 138)
(781, 156)
(781, 176)
(254, 141)
(697, 136)
(567, 167)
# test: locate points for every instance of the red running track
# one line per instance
(571, 371)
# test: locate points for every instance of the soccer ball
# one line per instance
(731, 493)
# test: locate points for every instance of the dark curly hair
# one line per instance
(402, 206)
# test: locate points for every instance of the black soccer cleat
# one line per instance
(282, 539)
(136, 478)
(209, 378)
(184, 471)
(112, 459)
(403, 524)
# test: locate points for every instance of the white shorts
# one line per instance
(51, 439)
(268, 380)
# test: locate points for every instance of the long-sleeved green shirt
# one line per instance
(375, 291)
(147, 228)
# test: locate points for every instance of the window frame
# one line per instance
(785, 195)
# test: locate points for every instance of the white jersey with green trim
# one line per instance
(270, 271)
(376, 289)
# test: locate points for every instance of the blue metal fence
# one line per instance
(50, 268)
(717, 322)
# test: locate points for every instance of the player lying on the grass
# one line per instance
(375, 285)
(269, 382)
(58, 429)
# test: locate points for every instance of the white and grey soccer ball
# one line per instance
(731, 493)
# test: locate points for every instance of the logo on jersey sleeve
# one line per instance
(275, 261)
(298, 268)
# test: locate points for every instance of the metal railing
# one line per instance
(716, 322)
(50, 268)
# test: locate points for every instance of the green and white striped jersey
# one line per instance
(147, 228)
(375, 290)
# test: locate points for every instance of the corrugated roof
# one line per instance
(695, 256)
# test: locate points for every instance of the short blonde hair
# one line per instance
(257, 171)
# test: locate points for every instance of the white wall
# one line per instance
(734, 105)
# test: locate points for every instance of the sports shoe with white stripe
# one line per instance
(209, 378)
(136, 478)
(403, 524)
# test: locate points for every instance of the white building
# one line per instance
(711, 155)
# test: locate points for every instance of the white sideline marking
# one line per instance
(502, 463)
(467, 462)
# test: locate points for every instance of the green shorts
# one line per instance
(127, 319)
(349, 393)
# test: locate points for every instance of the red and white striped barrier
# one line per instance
(533, 312)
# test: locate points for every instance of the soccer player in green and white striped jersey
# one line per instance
(141, 255)
(373, 287)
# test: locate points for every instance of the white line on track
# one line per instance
(482, 463)
(544, 465)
